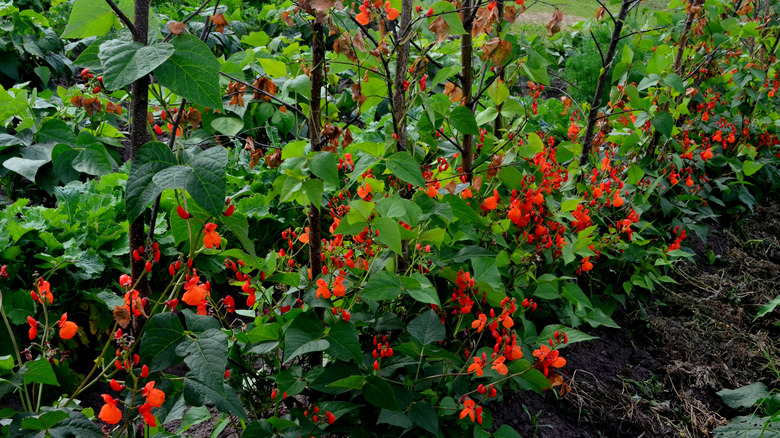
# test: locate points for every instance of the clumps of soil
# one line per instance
(660, 373)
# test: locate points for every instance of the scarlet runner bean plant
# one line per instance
(460, 230)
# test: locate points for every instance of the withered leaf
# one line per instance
(454, 92)
(510, 14)
(177, 27)
(441, 28)
(265, 85)
(484, 22)
(348, 139)
(236, 90)
(691, 91)
(357, 94)
(343, 45)
(194, 117)
(476, 182)
(494, 167)
(274, 159)
(121, 316)
(451, 187)
(331, 131)
(554, 26)
(321, 5)
(600, 13)
(359, 42)
(287, 18)
(566, 104)
(219, 22)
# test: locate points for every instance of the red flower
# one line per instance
(468, 409)
(33, 327)
(154, 396)
(195, 293)
(109, 413)
(67, 328)
(3, 273)
(146, 411)
(230, 304)
(499, 366)
(476, 367)
(211, 239)
(362, 17)
(322, 289)
(479, 323)
(392, 13)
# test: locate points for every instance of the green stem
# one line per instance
(26, 403)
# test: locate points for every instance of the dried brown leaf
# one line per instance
(510, 14)
(554, 26)
(274, 159)
(453, 91)
(267, 86)
(441, 28)
(121, 316)
(219, 22)
(177, 27)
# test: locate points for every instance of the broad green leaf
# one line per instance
(463, 121)
(531, 147)
(506, 431)
(344, 342)
(6, 363)
(89, 18)
(486, 272)
(405, 168)
(745, 396)
(77, 425)
(203, 177)
(768, 307)
(141, 189)
(57, 131)
(192, 72)
(397, 207)
(635, 174)
(124, 61)
(324, 165)
(388, 233)
(351, 382)
(751, 167)
(207, 356)
(421, 289)
(229, 126)
(487, 116)
(380, 394)
(290, 381)
(663, 123)
(28, 168)
(313, 188)
(423, 415)
(274, 68)
(89, 57)
(40, 371)
(195, 415)
(163, 334)
(44, 421)
(382, 287)
(427, 328)
(239, 226)
(394, 418)
(749, 426)
(93, 160)
(306, 328)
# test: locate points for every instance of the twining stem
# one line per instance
(466, 55)
(587, 144)
(26, 403)
(315, 124)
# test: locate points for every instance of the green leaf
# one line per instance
(89, 18)
(751, 167)
(239, 226)
(324, 165)
(44, 421)
(397, 207)
(141, 189)
(163, 334)
(749, 426)
(421, 289)
(192, 72)
(424, 416)
(635, 174)
(380, 394)
(89, 57)
(274, 68)
(663, 123)
(57, 131)
(229, 126)
(388, 233)
(204, 178)
(745, 396)
(290, 381)
(394, 418)
(76, 425)
(486, 272)
(344, 342)
(463, 121)
(351, 382)
(6, 364)
(302, 336)
(404, 167)
(125, 61)
(531, 147)
(313, 189)
(62, 157)
(207, 356)
(40, 371)
(506, 431)
(382, 286)
(195, 415)
(23, 166)
(768, 307)
(93, 160)
(487, 116)
(674, 81)
(427, 328)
